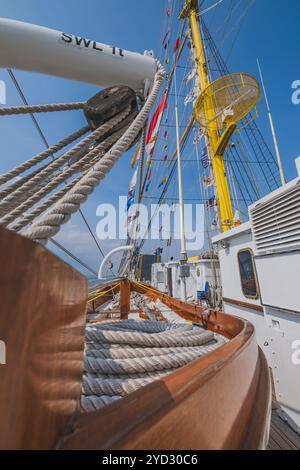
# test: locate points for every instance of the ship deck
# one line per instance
(282, 436)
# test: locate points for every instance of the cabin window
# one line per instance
(160, 277)
(248, 275)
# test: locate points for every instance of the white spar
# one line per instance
(34, 48)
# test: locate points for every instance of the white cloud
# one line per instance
(78, 241)
(75, 238)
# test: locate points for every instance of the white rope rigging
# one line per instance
(210, 8)
(45, 142)
(43, 155)
(41, 108)
(83, 158)
(50, 224)
(13, 200)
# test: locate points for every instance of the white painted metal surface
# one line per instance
(278, 270)
(34, 48)
(276, 221)
(284, 344)
(279, 277)
(229, 244)
(106, 259)
(298, 165)
(273, 235)
(200, 272)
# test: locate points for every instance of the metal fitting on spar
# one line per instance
(38, 49)
(2, 353)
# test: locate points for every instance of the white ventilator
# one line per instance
(34, 48)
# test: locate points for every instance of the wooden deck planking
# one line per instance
(282, 437)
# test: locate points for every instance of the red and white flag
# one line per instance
(154, 128)
(177, 44)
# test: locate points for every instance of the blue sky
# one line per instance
(270, 32)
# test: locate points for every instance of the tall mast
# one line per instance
(282, 177)
(191, 11)
(183, 252)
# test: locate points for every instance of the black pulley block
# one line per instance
(108, 103)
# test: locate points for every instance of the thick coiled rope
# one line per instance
(49, 225)
(123, 356)
(148, 340)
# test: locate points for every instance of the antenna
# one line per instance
(282, 177)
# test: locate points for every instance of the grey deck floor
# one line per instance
(282, 437)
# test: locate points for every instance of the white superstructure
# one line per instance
(267, 293)
(166, 278)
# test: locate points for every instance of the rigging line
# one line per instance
(221, 29)
(207, 228)
(252, 132)
(174, 166)
(238, 182)
(168, 88)
(242, 177)
(182, 137)
(172, 94)
(246, 153)
(161, 34)
(231, 184)
(239, 25)
(33, 118)
(169, 83)
(247, 173)
(210, 8)
(42, 135)
(82, 263)
(162, 53)
(225, 32)
(161, 198)
(91, 232)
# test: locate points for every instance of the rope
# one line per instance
(44, 140)
(143, 364)
(145, 326)
(127, 352)
(41, 108)
(123, 356)
(149, 340)
(84, 164)
(18, 195)
(90, 404)
(75, 258)
(102, 293)
(113, 387)
(17, 184)
(43, 155)
(50, 224)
